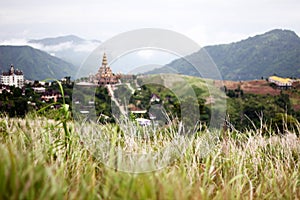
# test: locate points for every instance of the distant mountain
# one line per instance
(70, 48)
(58, 40)
(36, 64)
(275, 52)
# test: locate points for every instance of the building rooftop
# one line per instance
(280, 79)
(86, 84)
(12, 71)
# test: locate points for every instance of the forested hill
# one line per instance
(36, 64)
(274, 52)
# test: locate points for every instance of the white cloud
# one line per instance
(14, 42)
(53, 48)
(87, 46)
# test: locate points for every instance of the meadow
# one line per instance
(46, 159)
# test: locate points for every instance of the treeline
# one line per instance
(251, 111)
(244, 111)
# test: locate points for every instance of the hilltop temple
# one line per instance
(104, 76)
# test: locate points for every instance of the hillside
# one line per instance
(36, 64)
(275, 52)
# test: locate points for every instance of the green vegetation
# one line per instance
(245, 111)
(13, 104)
(18, 102)
(34, 165)
(152, 94)
(57, 158)
(103, 103)
(92, 99)
(249, 111)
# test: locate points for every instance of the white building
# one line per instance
(13, 78)
(143, 121)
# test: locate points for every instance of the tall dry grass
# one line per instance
(34, 165)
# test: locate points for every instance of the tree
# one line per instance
(17, 92)
(283, 101)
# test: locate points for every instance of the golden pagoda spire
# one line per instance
(104, 60)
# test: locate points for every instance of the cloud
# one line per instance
(14, 42)
(87, 46)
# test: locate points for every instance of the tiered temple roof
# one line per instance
(105, 75)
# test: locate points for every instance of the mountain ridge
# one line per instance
(274, 52)
(57, 40)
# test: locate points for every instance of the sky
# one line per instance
(207, 22)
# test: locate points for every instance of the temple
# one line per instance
(104, 76)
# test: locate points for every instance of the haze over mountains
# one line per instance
(70, 48)
(274, 52)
